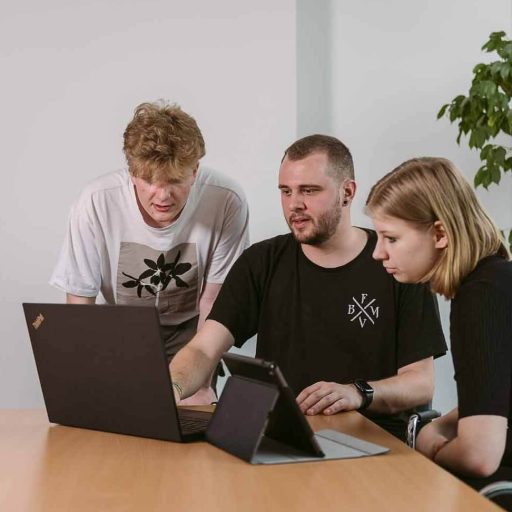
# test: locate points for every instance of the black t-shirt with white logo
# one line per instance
(330, 324)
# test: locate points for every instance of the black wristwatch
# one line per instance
(366, 392)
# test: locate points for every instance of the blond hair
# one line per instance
(162, 142)
(425, 190)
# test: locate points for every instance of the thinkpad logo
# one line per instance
(363, 309)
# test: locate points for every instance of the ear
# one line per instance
(440, 236)
(194, 173)
(347, 192)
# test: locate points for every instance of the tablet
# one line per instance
(258, 419)
(286, 422)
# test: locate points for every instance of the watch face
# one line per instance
(363, 386)
(366, 391)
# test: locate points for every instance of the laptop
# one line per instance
(103, 367)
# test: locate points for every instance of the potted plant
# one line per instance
(485, 116)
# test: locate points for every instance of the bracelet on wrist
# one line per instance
(178, 388)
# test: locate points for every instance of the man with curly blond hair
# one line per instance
(162, 231)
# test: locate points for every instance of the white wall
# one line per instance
(372, 73)
(72, 72)
(393, 64)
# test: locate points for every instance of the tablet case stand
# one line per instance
(246, 423)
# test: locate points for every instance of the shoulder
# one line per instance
(491, 277)
(365, 262)
(111, 182)
(210, 180)
(274, 244)
(369, 247)
(262, 259)
(271, 248)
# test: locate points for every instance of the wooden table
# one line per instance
(53, 468)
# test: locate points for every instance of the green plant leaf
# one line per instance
(505, 125)
(479, 176)
(485, 113)
(453, 114)
(472, 140)
(479, 68)
(495, 175)
(495, 69)
(478, 137)
(503, 100)
(494, 41)
(494, 130)
(465, 106)
(505, 71)
(442, 110)
(490, 88)
(505, 52)
(499, 156)
(485, 151)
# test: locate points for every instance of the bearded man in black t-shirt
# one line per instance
(345, 334)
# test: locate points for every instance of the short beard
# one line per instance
(323, 229)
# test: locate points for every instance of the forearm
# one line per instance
(457, 456)
(446, 425)
(76, 299)
(413, 386)
(193, 365)
(191, 369)
(437, 433)
(208, 296)
(477, 448)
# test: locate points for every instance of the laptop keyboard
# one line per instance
(193, 421)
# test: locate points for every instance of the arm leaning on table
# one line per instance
(195, 362)
(419, 337)
(412, 386)
(472, 446)
(480, 323)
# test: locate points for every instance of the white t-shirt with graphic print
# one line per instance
(109, 248)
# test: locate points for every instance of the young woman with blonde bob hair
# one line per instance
(432, 228)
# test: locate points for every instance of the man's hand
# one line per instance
(204, 396)
(329, 398)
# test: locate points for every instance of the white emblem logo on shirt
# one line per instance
(363, 309)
